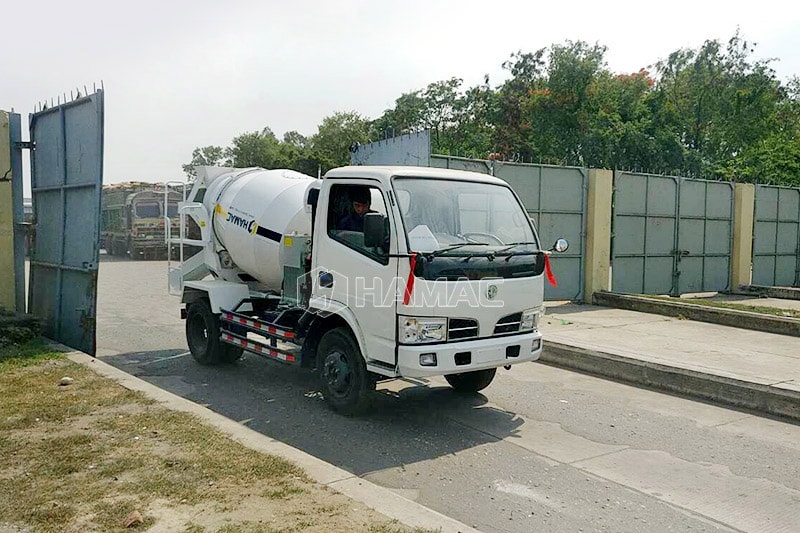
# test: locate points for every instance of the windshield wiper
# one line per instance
(440, 251)
(514, 245)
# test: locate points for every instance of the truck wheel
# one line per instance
(202, 335)
(471, 381)
(345, 382)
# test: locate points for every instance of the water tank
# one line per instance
(252, 210)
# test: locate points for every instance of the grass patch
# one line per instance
(27, 353)
(83, 456)
(764, 310)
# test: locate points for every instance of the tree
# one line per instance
(717, 104)
(559, 113)
(256, 149)
(330, 146)
(510, 127)
(206, 156)
(406, 117)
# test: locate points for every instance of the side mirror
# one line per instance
(561, 245)
(374, 230)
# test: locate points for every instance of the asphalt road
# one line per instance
(542, 449)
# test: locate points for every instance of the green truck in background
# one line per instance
(133, 219)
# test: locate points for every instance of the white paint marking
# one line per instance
(525, 491)
(166, 358)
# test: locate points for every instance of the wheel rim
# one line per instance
(337, 374)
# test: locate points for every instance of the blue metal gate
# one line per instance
(66, 183)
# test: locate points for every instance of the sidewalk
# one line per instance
(737, 367)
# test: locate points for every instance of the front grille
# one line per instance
(508, 324)
(462, 328)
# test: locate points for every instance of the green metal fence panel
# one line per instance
(644, 233)
(705, 236)
(555, 198)
(776, 236)
(671, 235)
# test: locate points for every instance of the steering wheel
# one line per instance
(470, 235)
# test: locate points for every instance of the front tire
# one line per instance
(471, 382)
(346, 385)
(202, 335)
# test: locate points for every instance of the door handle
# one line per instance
(325, 280)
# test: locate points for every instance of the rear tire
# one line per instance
(471, 382)
(202, 335)
(346, 385)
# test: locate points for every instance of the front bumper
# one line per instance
(483, 353)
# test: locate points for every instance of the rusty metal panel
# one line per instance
(67, 176)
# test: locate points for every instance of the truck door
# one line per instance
(359, 277)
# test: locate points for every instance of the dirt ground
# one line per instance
(85, 454)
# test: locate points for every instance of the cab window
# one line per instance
(345, 219)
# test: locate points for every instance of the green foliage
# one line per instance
(330, 147)
(713, 112)
(205, 156)
(16, 329)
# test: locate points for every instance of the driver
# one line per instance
(360, 199)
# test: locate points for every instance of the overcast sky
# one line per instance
(182, 74)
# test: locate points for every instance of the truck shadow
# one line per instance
(410, 421)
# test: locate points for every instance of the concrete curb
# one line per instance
(383, 500)
(768, 399)
(787, 293)
(725, 317)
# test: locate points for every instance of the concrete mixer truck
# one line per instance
(369, 273)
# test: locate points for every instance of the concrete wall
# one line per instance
(744, 205)
(598, 233)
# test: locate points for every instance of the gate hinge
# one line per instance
(25, 145)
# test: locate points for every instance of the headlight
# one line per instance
(414, 330)
(530, 319)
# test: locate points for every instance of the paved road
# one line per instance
(543, 449)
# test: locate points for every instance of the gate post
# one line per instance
(744, 204)
(7, 277)
(598, 233)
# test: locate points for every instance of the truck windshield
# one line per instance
(147, 210)
(449, 217)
